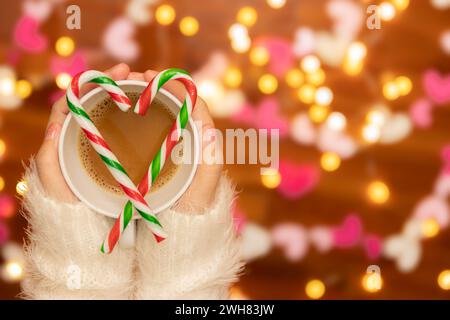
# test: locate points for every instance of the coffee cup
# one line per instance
(111, 204)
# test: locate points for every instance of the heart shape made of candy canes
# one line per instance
(135, 194)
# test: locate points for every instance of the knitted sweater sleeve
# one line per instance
(62, 251)
(199, 259)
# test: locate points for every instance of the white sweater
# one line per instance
(199, 259)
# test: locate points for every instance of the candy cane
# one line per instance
(172, 138)
(101, 147)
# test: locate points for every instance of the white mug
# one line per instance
(111, 204)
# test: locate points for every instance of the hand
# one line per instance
(200, 194)
(47, 161)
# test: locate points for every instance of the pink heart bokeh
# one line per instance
(372, 245)
(118, 40)
(281, 55)
(265, 116)
(421, 113)
(27, 35)
(297, 179)
(437, 86)
(348, 234)
(292, 239)
(71, 65)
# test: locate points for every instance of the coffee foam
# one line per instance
(101, 108)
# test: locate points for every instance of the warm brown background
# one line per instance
(408, 45)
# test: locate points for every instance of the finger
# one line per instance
(136, 76)
(60, 108)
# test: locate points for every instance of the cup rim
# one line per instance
(79, 194)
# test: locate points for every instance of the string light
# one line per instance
(232, 77)
(391, 90)
(241, 45)
(324, 96)
(294, 78)
(21, 187)
(276, 4)
(386, 11)
(310, 64)
(400, 4)
(259, 56)
(237, 31)
(376, 118)
(336, 121)
(23, 89)
(271, 178)
(307, 93)
(430, 228)
(444, 280)
(64, 46)
(378, 192)
(63, 80)
(316, 78)
(189, 26)
(315, 289)
(330, 161)
(2, 148)
(372, 282)
(7, 86)
(247, 16)
(371, 133)
(165, 14)
(2, 183)
(404, 85)
(267, 83)
(12, 271)
(318, 113)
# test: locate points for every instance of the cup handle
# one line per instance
(128, 238)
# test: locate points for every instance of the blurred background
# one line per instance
(360, 91)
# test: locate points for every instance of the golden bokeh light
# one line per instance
(404, 85)
(63, 80)
(310, 64)
(276, 4)
(315, 289)
(23, 88)
(336, 121)
(12, 271)
(378, 192)
(165, 14)
(306, 93)
(294, 78)
(268, 83)
(316, 78)
(21, 187)
(330, 161)
(189, 26)
(391, 90)
(2, 148)
(386, 11)
(324, 96)
(270, 178)
(259, 56)
(372, 282)
(371, 133)
(232, 77)
(400, 4)
(318, 113)
(64, 46)
(247, 16)
(444, 279)
(430, 228)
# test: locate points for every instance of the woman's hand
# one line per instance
(200, 194)
(47, 161)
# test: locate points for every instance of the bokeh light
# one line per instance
(318, 113)
(23, 88)
(324, 96)
(386, 11)
(372, 282)
(430, 228)
(270, 178)
(310, 64)
(330, 161)
(259, 56)
(165, 14)
(306, 93)
(336, 121)
(64, 46)
(232, 77)
(315, 289)
(63, 80)
(189, 26)
(276, 4)
(21, 187)
(247, 16)
(378, 192)
(444, 279)
(294, 78)
(268, 83)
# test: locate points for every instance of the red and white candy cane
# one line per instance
(172, 138)
(105, 153)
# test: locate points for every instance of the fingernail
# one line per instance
(51, 132)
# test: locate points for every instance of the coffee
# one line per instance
(134, 139)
